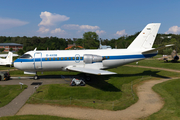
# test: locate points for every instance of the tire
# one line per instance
(88, 78)
(36, 77)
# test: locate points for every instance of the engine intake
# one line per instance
(89, 58)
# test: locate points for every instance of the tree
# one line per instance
(90, 40)
(11, 49)
(2, 49)
(20, 52)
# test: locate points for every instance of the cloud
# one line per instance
(9, 23)
(174, 30)
(80, 27)
(43, 30)
(57, 30)
(99, 32)
(49, 19)
(121, 33)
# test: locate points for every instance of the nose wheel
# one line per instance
(36, 77)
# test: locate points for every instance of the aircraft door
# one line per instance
(38, 60)
(77, 58)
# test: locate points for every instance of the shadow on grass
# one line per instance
(101, 82)
(144, 73)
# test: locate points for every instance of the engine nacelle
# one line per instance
(89, 58)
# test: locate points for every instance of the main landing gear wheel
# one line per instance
(36, 77)
(88, 78)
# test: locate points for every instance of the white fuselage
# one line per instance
(54, 60)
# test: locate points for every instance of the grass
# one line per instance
(9, 92)
(21, 73)
(104, 92)
(158, 63)
(6, 67)
(34, 117)
(170, 92)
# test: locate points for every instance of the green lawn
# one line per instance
(170, 92)
(2, 67)
(21, 73)
(9, 92)
(104, 92)
(158, 63)
(34, 117)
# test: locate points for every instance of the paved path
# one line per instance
(13, 107)
(149, 102)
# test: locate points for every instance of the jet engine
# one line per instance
(89, 58)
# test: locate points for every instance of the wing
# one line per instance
(91, 71)
(3, 55)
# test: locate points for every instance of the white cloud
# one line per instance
(174, 30)
(99, 32)
(9, 23)
(88, 27)
(49, 19)
(121, 33)
(57, 30)
(80, 27)
(43, 30)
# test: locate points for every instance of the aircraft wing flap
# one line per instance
(91, 71)
(154, 50)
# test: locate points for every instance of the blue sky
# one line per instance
(71, 18)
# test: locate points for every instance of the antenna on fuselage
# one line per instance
(35, 49)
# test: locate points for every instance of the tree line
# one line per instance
(90, 40)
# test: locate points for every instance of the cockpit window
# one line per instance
(26, 56)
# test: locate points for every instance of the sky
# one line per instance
(71, 18)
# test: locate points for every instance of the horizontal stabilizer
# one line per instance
(155, 49)
(91, 71)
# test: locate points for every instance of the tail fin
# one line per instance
(9, 57)
(146, 38)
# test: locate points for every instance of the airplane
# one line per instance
(104, 46)
(7, 60)
(4, 55)
(94, 61)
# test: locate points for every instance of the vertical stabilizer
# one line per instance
(9, 57)
(145, 39)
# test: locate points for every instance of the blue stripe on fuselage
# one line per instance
(109, 58)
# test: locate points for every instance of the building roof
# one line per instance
(10, 44)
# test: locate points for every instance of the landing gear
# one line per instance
(36, 77)
(87, 77)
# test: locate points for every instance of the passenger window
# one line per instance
(77, 58)
(57, 58)
(49, 58)
(73, 58)
(62, 58)
(108, 57)
(69, 58)
(45, 58)
(81, 58)
(53, 58)
(65, 58)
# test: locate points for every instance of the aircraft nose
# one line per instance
(16, 64)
